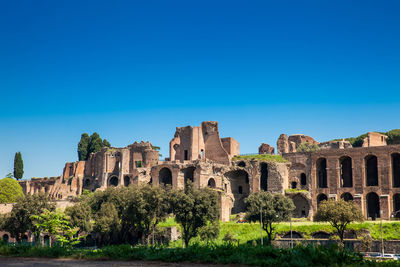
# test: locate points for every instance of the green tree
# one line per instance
(19, 221)
(193, 209)
(147, 207)
(58, 225)
(83, 147)
(209, 232)
(393, 137)
(273, 207)
(106, 143)
(10, 190)
(108, 223)
(80, 216)
(339, 214)
(18, 166)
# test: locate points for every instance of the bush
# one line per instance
(10, 190)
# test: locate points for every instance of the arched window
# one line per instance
(346, 172)
(373, 206)
(165, 176)
(264, 176)
(322, 174)
(346, 196)
(87, 182)
(294, 185)
(303, 179)
(113, 181)
(188, 174)
(127, 180)
(320, 198)
(396, 169)
(211, 183)
(242, 164)
(371, 170)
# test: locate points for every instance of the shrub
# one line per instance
(10, 190)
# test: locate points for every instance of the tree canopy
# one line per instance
(307, 147)
(193, 209)
(339, 214)
(10, 190)
(18, 166)
(273, 208)
(90, 144)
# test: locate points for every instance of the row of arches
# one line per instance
(346, 171)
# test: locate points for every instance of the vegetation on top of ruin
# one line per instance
(307, 147)
(261, 157)
(90, 144)
(393, 138)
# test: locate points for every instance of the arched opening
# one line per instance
(24, 239)
(373, 206)
(396, 203)
(165, 177)
(321, 235)
(6, 238)
(302, 206)
(294, 234)
(188, 174)
(264, 176)
(239, 189)
(320, 198)
(211, 183)
(86, 183)
(303, 179)
(322, 176)
(46, 240)
(294, 185)
(242, 164)
(396, 169)
(89, 241)
(371, 170)
(113, 181)
(346, 196)
(346, 172)
(127, 180)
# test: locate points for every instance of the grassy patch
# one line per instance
(262, 157)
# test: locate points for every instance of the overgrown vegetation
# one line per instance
(262, 157)
(393, 138)
(90, 144)
(222, 254)
(307, 147)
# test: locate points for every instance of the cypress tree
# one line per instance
(83, 147)
(95, 144)
(18, 166)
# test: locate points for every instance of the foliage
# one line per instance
(229, 238)
(9, 175)
(393, 137)
(209, 232)
(295, 191)
(272, 207)
(18, 166)
(57, 224)
(222, 254)
(339, 214)
(92, 144)
(80, 216)
(307, 147)
(193, 209)
(262, 157)
(19, 221)
(10, 190)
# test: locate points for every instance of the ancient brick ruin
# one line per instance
(368, 175)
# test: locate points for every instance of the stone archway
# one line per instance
(322, 175)
(211, 183)
(346, 196)
(396, 203)
(396, 169)
(188, 174)
(346, 172)
(127, 181)
(373, 206)
(113, 181)
(320, 198)
(371, 170)
(264, 176)
(165, 177)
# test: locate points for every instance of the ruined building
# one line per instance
(368, 175)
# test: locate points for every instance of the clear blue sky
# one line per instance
(134, 70)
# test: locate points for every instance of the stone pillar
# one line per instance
(358, 200)
(384, 205)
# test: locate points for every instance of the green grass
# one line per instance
(262, 157)
(246, 232)
(295, 191)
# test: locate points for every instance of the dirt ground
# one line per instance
(30, 262)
